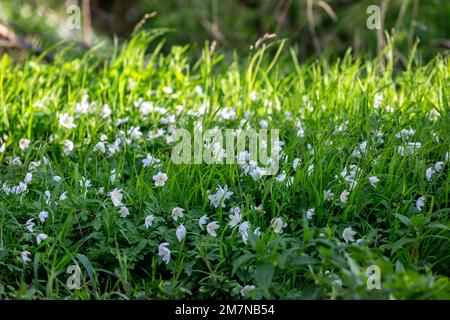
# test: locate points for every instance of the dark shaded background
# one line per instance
(313, 27)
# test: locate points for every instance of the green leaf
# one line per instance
(88, 266)
(264, 274)
(400, 243)
(417, 220)
(241, 260)
(303, 260)
(404, 219)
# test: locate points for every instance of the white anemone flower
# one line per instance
(66, 121)
(30, 224)
(28, 177)
(116, 197)
(348, 234)
(310, 213)
(124, 212)
(235, 219)
(246, 290)
(202, 221)
(181, 232)
(149, 221)
(278, 225)
(160, 179)
(24, 144)
(26, 256)
(419, 203)
(438, 166)
(373, 180)
(429, 173)
(177, 212)
(328, 195)
(41, 237)
(149, 161)
(43, 215)
(344, 196)
(68, 147)
(212, 227)
(164, 252)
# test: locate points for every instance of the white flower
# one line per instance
(438, 166)
(149, 161)
(235, 219)
(220, 197)
(295, 163)
(135, 132)
(106, 111)
(377, 101)
(373, 180)
(281, 177)
(149, 221)
(212, 227)
(167, 90)
(47, 196)
(348, 235)
(243, 229)
(22, 187)
(404, 133)
(24, 144)
(66, 121)
(113, 176)
(429, 173)
(328, 195)
(57, 179)
(310, 169)
(34, 165)
(63, 196)
(2, 147)
(300, 132)
(344, 196)
(278, 225)
(100, 146)
(257, 173)
(419, 203)
(247, 289)
(160, 179)
(181, 232)
(68, 147)
(202, 221)
(155, 134)
(410, 148)
(16, 161)
(164, 252)
(116, 197)
(83, 106)
(43, 215)
(310, 213)
(26, 256)
(177, 212)
(28, 177)
(123, 211)
(41, 237)
(257, 232)
(146, 108)
(30, 224)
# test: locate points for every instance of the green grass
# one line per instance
(333, 103)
